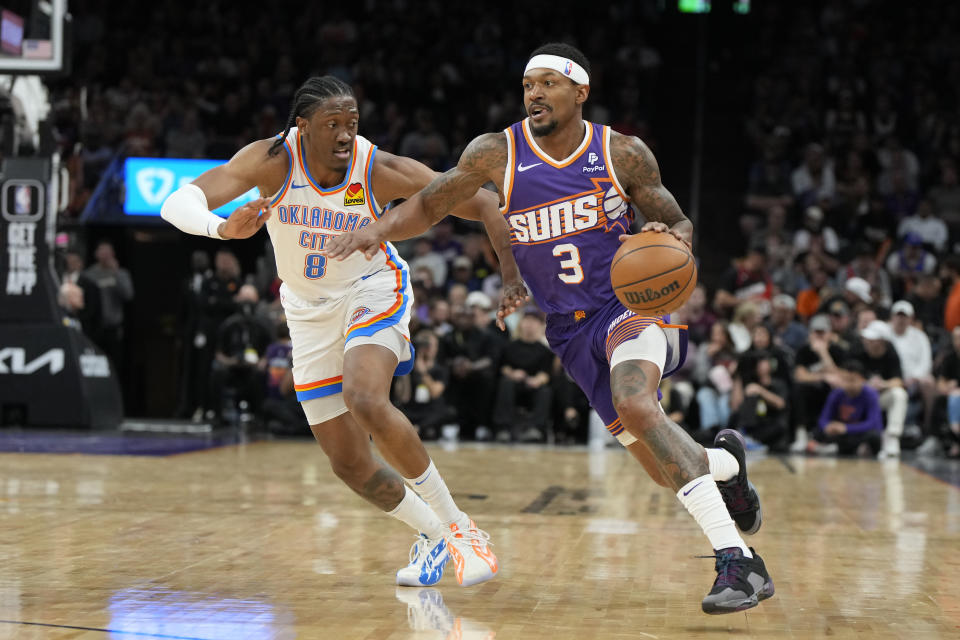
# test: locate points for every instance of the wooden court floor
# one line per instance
(260, 541)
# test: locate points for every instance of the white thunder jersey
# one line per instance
(306, 215)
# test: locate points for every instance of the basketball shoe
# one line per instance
(738, 493)
(427, 559)
(741, 582)
(472, 557)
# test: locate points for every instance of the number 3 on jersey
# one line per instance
(575, 276)
(315, 266)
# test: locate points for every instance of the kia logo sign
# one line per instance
(13, 360)
(150, 180)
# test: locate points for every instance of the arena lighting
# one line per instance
(148, 182)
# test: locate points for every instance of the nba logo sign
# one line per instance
(567, 68)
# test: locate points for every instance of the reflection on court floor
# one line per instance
(261, 541)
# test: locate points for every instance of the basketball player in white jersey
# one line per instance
(348, 320)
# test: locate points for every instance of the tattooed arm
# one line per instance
(483, 160)
(638, 172)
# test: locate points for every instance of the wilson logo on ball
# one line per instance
(651, 295)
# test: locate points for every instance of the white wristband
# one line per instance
(186, 209)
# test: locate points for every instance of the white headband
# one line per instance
(559, 64)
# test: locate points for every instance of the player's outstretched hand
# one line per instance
(246, 220)
(340, 247)
(663, 228)
(513, 296)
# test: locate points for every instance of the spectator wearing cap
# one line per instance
(851, 418)
(815, 366)
(916, 359)
(784, 328)
(462, 272)
(885, 376)
(841, 323)
(746, 279)
(858, 293)
(930, 229)
(909, 262)
(472, 349)
(866, 266)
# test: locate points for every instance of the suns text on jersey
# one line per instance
(555, 220)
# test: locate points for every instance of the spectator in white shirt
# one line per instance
(916, 359)
(932, 230)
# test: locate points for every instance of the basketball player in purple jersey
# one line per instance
(566, 186)
(348, 321)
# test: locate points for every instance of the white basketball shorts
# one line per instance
(375, 310)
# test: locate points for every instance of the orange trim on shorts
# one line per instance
(631, 328)
(310, 386)
(396, 305)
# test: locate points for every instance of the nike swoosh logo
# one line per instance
(297, 186)
(522, 168)
(693, 487)
(422, 481)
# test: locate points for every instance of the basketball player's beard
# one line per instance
(542, 130)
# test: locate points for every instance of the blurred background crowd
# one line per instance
(835, 329)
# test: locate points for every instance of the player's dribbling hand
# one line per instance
(365, 240)
(513, 296)
(661, 227)
(245, 220)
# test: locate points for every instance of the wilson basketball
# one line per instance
(653, 273)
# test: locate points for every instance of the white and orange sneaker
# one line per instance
(472, 557)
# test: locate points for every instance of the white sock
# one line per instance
(433, 489)
(703, 500)
(418, 514)
(723, 465)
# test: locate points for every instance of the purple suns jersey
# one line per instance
(565, 218)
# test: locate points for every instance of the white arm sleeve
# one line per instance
(186, 209)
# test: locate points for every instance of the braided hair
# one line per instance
(307, 99)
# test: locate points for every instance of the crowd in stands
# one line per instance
(468, 375)
(837, 327)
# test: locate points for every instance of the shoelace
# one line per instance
(419, 549)
(728, 571)
(471, 535)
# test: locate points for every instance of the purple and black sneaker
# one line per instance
(738, 493)
(741, 582)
